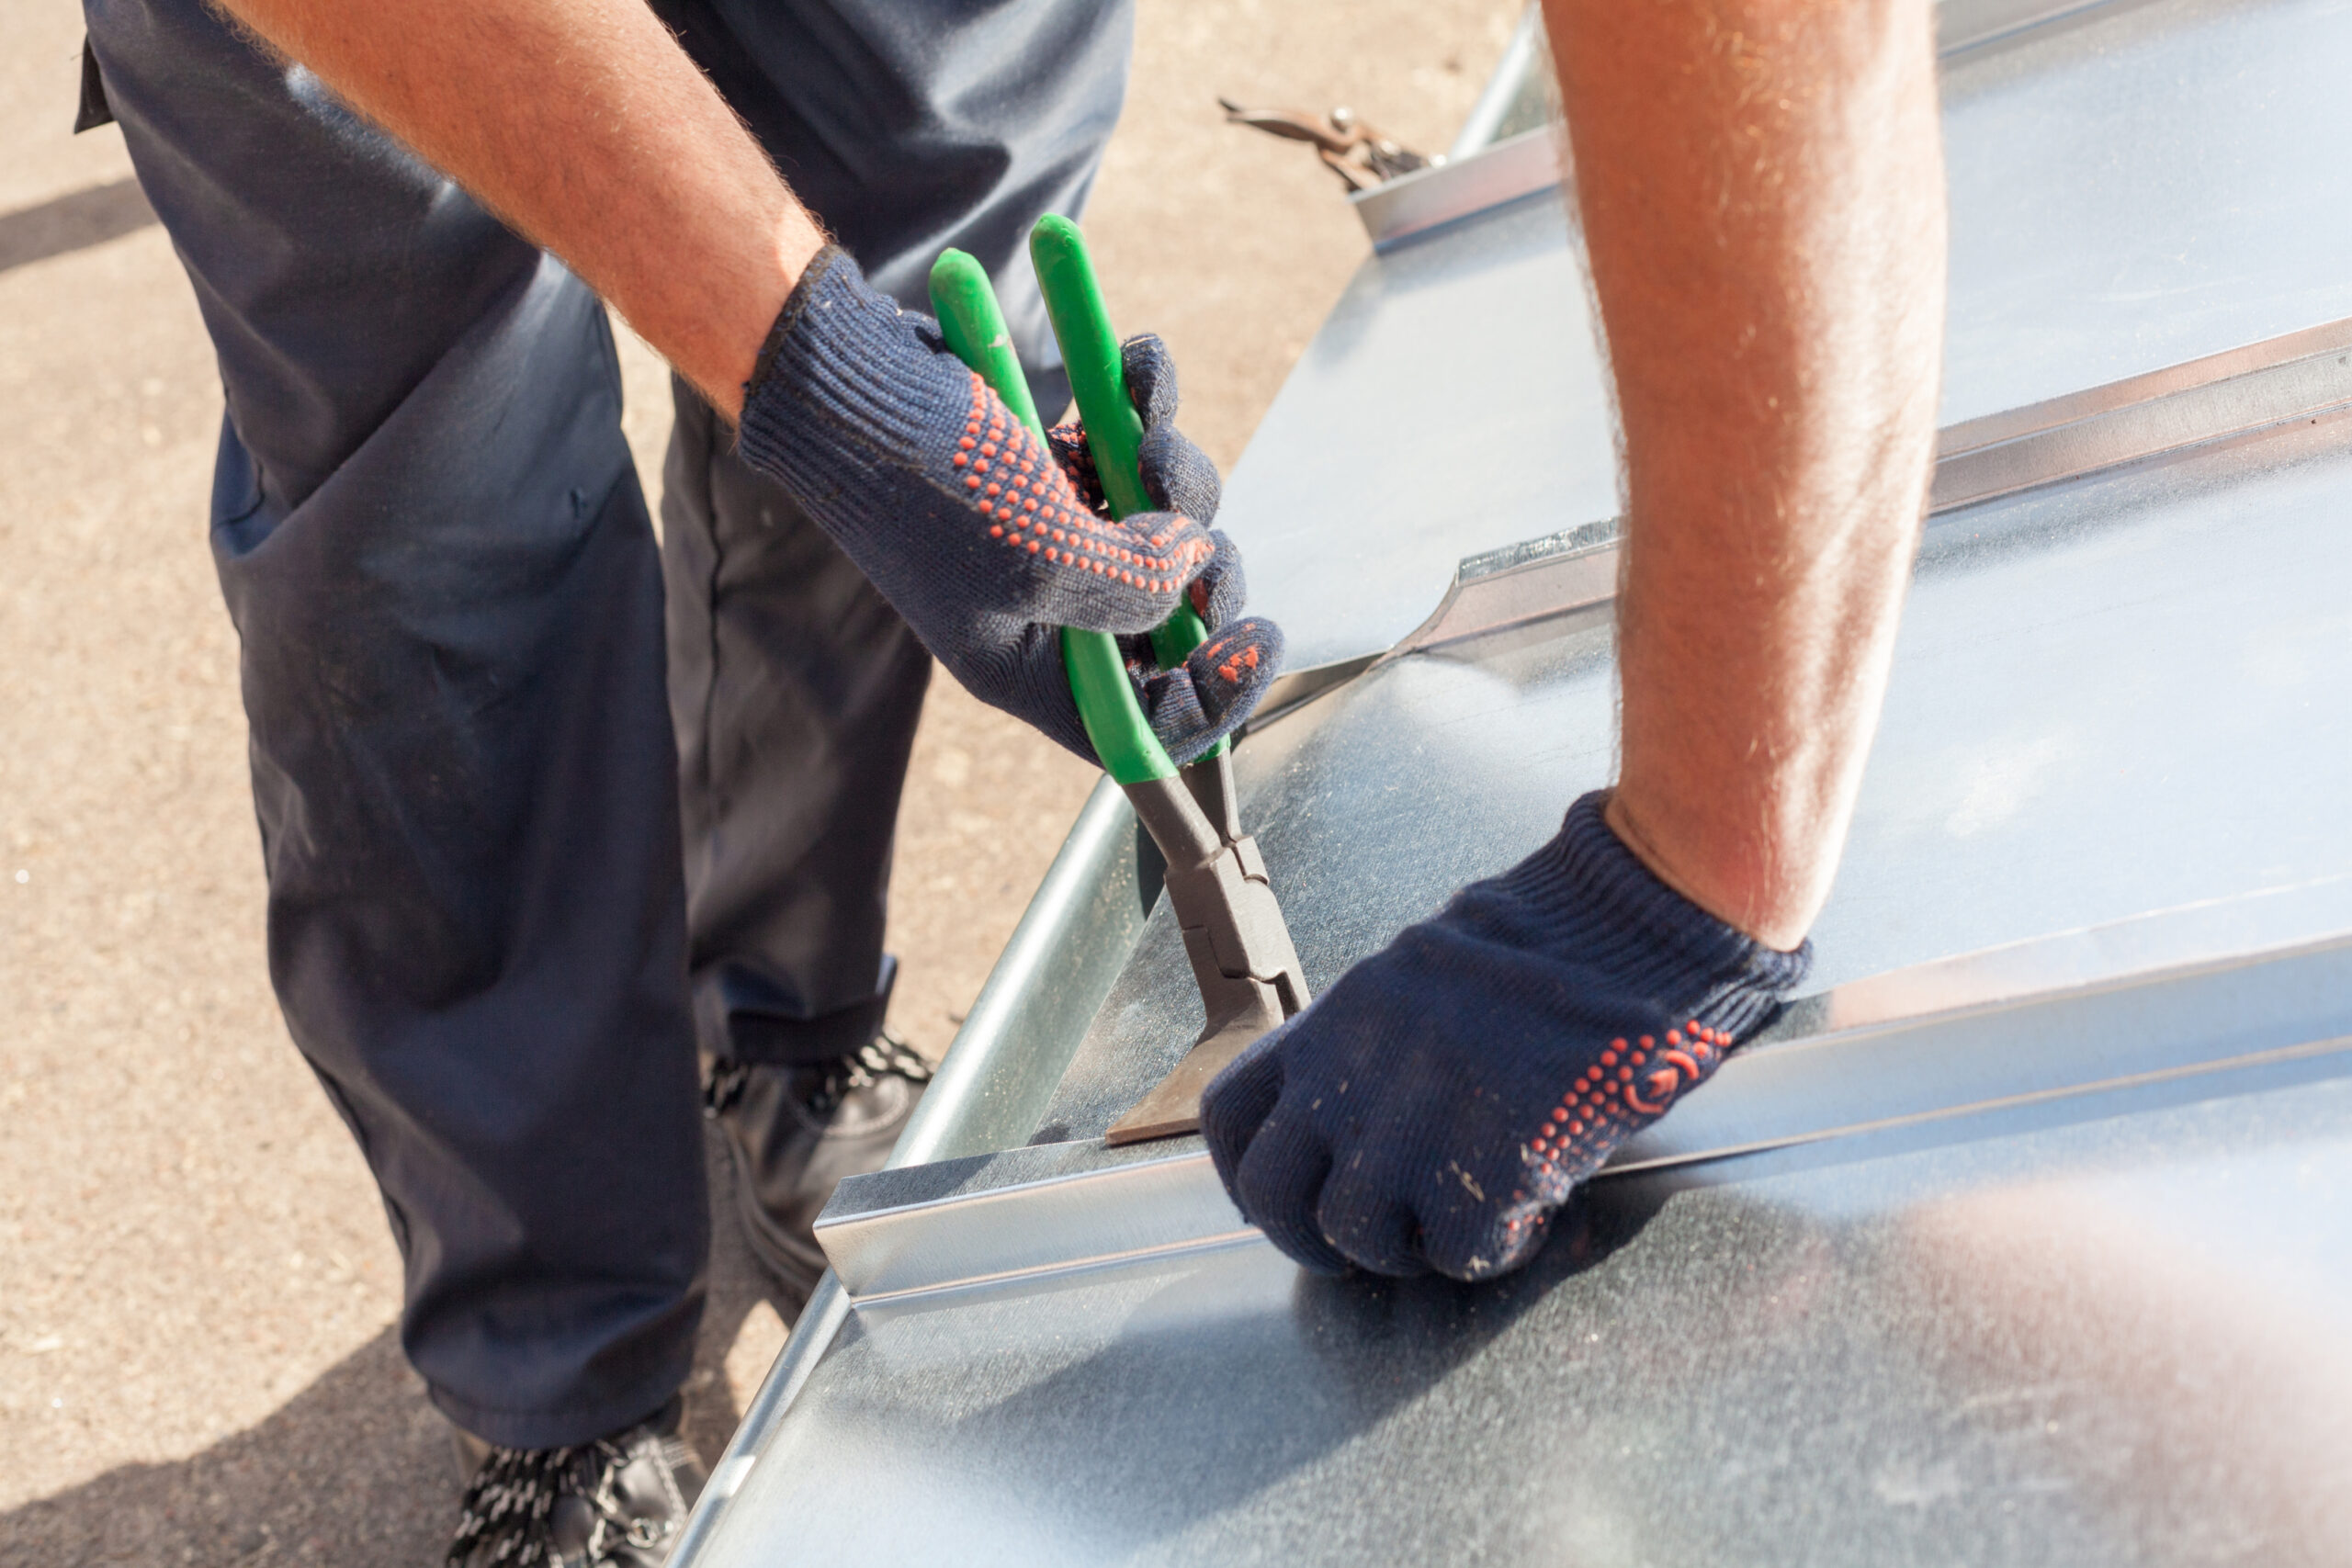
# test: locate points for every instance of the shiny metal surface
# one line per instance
(2035, 1254)
(998, 1074)
(2133, 187)
(2202, 222)
(1401, 442)
(1527, 164)
(1516, 92)
(2139, 420)
(1520, 97)
(821, 1317)
(1053, 974)
(2090, 1339)
(1519, 585)
(2162, 999)
(2061, 1199)
(2143, 418)
(1005, 1220)
(2255, 926)
(1028, 1215)
(2081, 674)
(1962, 25)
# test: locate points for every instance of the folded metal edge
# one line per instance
(1294, 689)
(1507, 171)
(1013, 1046)
(1119, 1212)
(1544, 578)
(2113, 398)
(1017, 1040)
(2216, 930)
(1968, 27)
(2203, 989)
(1480, 174)
(1525, 53)
(2246, 391)
(812, 1333)
(2280, 381)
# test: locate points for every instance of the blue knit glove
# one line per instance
(1433, 1108)
(973, 530)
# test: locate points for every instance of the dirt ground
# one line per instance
(197, 1362)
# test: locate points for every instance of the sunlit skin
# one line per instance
(583, 125)
(1762, 191)
(1762, 194)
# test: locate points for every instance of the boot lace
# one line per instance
(506, 1519)
(884, 1056)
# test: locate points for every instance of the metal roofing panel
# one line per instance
(2033, 1256)
(2132, 187)
(2083, 681)
(2089, 1339)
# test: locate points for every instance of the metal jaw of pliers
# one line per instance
(1234, 935)
(1357, 152)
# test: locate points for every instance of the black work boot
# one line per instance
(618, 1501)
(795, 1132)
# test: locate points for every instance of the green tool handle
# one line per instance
(973, 324)
(1098, 381)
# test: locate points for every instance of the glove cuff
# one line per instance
(1597, 901)
(843, 375)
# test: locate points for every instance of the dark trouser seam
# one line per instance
(712, 802)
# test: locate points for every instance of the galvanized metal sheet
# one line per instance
(2087, 1341)
(1836, 1068)
(2089, 1321)
(2082, 726)
(2131, 189)
(2082, 1324)
(2296, 379)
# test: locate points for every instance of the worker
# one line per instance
(507, 899)
(1761, 189)
(1761, 199)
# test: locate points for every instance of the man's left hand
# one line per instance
(1433, 1108)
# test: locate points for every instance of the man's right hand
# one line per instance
(972, 529)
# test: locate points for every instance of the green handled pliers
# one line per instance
(1234, 934)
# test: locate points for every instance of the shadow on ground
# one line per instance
(355, 1470)
(73, 222)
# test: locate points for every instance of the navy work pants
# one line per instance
(480, 733)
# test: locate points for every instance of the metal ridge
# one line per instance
(1968, 27)
(1017, 1037)
(820, 1319)
(2290, 380)
(1524, 53)
(1014, 1226)
(2195, 991)
(2268, 923)
(1503, 172)
(1080, 923)
(2260, 386)
(1480, 173)
(1538, 579)
(1294, 689)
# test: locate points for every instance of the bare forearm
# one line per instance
(1761, 185)
(585, 125)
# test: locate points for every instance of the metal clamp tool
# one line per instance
(1360, 154)
(1234, 934)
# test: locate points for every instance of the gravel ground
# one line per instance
(197, 1290)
